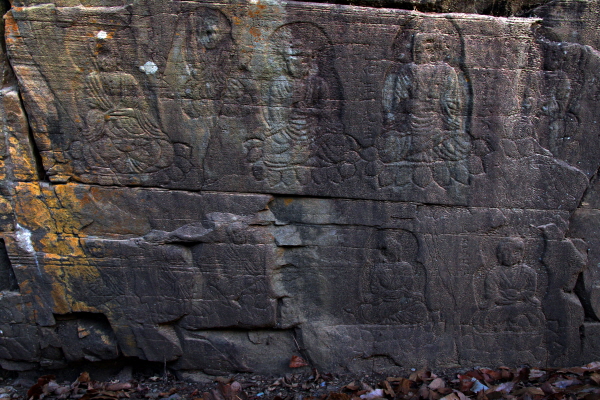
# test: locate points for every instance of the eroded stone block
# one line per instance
(220, 185)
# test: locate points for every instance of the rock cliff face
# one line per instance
(222, 184)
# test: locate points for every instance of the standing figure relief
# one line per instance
(200, 61)
(207, 92)
(121, 140)
(561, 99)
(424, 106)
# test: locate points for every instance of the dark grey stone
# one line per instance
(220, 185)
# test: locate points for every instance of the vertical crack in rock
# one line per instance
(299, 342)
(8, 280)
(588, 190)
(4, 7)
(584, 298)
(279, 311)
(37, 156)
(11, 84)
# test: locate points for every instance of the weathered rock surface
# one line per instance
(221, 185)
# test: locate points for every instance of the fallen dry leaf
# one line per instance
(388, 389)
(460, 395)
(547, 388)
(490, 375)
(505, 387)
(84, 377)
(565, 383)
(375, 394)
(421, 375)
(297, 362)
(115, 387)
(451, 396)
(437, 383)
(465, 383)
(338, 396)
(593, 366)
(535, 374)
(474, 374)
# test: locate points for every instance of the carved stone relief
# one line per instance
(392, 287)
(509, 300)
(207, 180)
(425, 102)
(122, 143)
(197, 76)
(508, 303)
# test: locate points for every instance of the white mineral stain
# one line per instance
(101, 35)
(23, 237)
(149, 68)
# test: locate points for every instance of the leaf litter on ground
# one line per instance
(576, 383)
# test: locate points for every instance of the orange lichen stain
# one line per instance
(59, 297)
(24, 167)
(257, 11)
(80, 306)
(5, 206)
(31, 209)
(69, 281)
(13, 142)
(25, 287)
(237, 20)
(56, 222)
(11, 28)
(255, 32)
(287, 201)
(57, 247)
